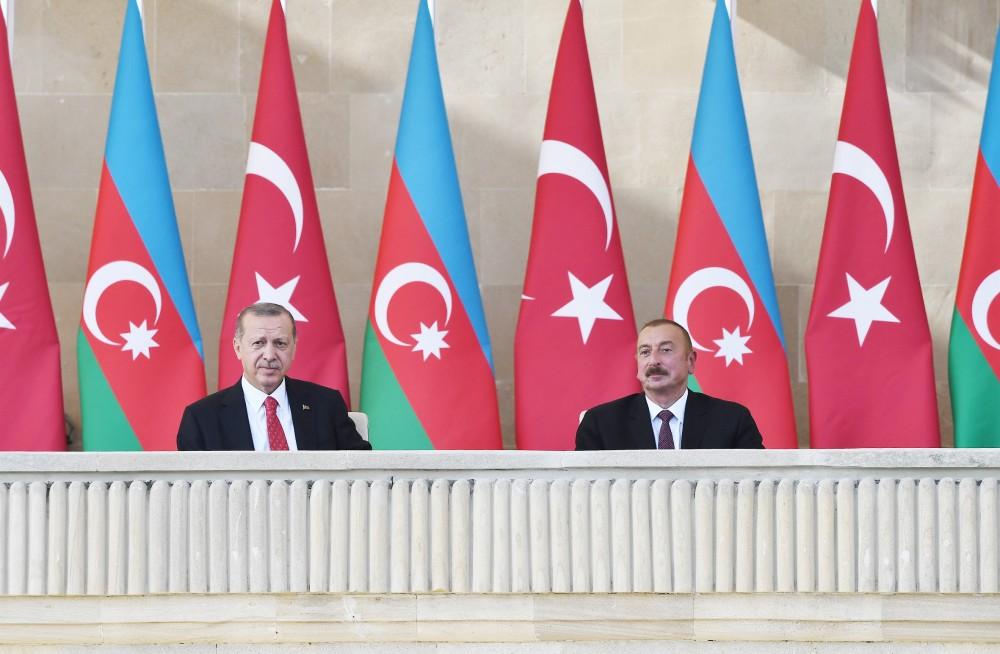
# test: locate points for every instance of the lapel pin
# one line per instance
(305, 407)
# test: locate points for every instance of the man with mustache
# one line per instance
(265, 410)
(666, 415)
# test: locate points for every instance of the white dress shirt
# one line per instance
(257, 415)
(676, 423)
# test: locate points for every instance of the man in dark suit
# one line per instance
(266, 410)
(666, 415)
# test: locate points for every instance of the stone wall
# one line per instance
(510, 522)
(496, 59)
(853, 551)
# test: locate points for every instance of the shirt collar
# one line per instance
(255, 397)
(677, 408)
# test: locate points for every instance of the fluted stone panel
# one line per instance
(667, 522)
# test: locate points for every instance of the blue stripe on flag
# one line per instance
(427, 166)
(720, 148)
(989, 142)
(134, 155)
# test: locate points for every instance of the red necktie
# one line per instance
(275, 434)
(665, 441)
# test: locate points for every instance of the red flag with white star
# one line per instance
(31, 402)
(868, 345)
(575, 342)
(280, 255)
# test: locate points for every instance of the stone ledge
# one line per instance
(473, 464)
(334, 618)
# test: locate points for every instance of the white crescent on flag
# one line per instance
(986, 292)
(561, 158)
(7, 207)
(702, 280)
(265, 162)
(397, 278)
(849, 159)
(105, 277)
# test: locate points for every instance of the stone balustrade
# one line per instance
(882, 521)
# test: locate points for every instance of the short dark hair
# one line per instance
(263, 309)
(666, 321)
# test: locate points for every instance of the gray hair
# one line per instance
(666, 321)
(263, 309)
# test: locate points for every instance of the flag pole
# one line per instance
(731, 9)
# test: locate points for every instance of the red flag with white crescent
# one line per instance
(575, 342)
(868, 345)
(31, 403)
(280, 254)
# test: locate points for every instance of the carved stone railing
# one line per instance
(883, 521)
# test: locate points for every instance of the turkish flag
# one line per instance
(280, 255)
(575, 340)
(31, 403)
(868, 346)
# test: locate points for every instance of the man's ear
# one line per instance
(692, 358)
(236, 347)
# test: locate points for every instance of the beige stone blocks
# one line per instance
(949, 45)
(197, 46)
(687, 624)
(204, 139)
(64, 139)
(654, 61)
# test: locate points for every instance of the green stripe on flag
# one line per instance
(392, 423)
(975, 390)
(693, 384)
(105, 426)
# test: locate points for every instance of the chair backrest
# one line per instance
(360, 422)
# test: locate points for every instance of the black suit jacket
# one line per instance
(709, 423)
(319, 414)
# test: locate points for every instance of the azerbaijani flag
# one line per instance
(427, 376)
(139, 349)
(974, 351)
(721, 287)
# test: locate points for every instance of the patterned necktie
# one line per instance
(275, 434)
(665, 441)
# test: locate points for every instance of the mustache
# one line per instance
(655, 370)
(270, 365)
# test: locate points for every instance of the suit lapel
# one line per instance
(303, 414)
(235, 423)
(694, 423)
(640, 430)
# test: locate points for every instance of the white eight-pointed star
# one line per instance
(139, 339)
(733, 346)
(430, 340)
